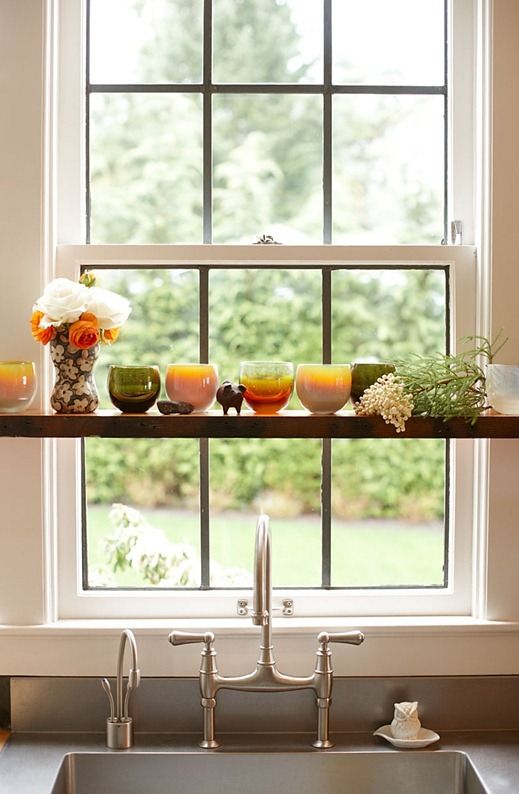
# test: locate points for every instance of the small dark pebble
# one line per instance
(169, 407)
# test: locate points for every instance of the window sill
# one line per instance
(394, 646)
(213, 424)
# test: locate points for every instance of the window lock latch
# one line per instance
(286, 608)
(456, 232)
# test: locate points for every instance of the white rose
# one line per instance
(63, 301)
(110, 309)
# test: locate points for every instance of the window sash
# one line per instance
(327, 89)
(454, 599)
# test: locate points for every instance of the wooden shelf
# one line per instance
(287, 424)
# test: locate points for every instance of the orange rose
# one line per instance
(91, 317)
(84, 333)
(110, 335)
(43, 335)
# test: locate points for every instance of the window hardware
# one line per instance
(456, 232)
(287, 608)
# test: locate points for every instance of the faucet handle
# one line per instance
(188, 637)
(324, 654)
(349, 637)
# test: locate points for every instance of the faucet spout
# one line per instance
(261, 604)
(134, 676)
(262, 595)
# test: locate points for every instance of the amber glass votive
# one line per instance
(268, 384)
(192, 383)
(133, 389)
(323, 388)
(17, 385)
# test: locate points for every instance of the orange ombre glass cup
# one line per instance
(323, 388)
(268, 384)
(17, 385)
(192, 383)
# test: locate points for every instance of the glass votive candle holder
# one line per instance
(133, 389)
(268, 384)
(17, 385)
(502, 387)
(323, 388)
(192, 383)
(365, 373)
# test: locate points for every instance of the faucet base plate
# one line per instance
(209, 744)
(322, 744)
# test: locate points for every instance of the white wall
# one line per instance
(503, 568)
(21, 584)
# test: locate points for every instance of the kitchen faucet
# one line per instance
(119, 725)
(265, 677)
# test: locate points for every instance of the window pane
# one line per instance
(280, 477)
(142, 502)
(156, 41)
(376, 42)
(388, 513)
(388, 169)
(267, 169)
(389, 313)
(159, 478)
(388, 496)
(263, 314)
(267, 41)
(146, 168)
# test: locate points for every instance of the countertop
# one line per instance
(29, 762)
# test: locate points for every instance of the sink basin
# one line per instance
(255, 773)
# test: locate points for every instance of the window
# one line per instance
(316, 143)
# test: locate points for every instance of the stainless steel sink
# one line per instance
(263, 773)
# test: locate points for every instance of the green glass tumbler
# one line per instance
(133, 389)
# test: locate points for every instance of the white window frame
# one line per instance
(69, 600)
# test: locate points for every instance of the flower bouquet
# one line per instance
(75, 318)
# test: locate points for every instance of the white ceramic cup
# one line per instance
(502, 387)
(323, 388)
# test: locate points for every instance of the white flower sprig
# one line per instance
(387, 397)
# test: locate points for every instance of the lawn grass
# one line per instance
(364, 553)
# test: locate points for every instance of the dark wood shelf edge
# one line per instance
(288, 424)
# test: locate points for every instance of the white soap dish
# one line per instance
(422, 738)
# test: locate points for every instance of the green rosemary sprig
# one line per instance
(446, 386)
(486, 348)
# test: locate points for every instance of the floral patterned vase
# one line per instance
(74, 391)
